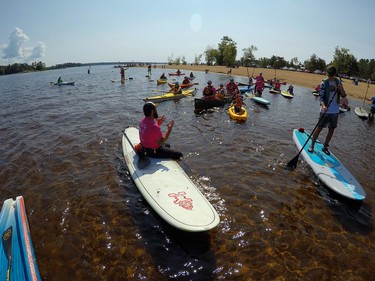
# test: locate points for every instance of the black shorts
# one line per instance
(163, 152)
(329, 120)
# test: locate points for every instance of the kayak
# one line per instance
(161, 81)
(241, 116)
(183, 86)
(18, 261)
(168, 189)
(175, 74)
(287, 95)
(206, 104)
(171, 96)
(244, 89)
(259, 100)
(63, 84)
(328, 168)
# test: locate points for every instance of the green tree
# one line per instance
(197, 59)
(211, 54)
(315, 63)
(345, 62)
(227, 52)
(248, 55)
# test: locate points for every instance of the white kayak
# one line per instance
(329, 169)
(169, 190)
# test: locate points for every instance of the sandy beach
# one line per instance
(308, 80)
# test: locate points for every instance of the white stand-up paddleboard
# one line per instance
(361, 112)
(169, 190)
(329, 169)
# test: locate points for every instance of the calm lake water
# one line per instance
(61, 149)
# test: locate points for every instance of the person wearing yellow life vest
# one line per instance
(209, 92)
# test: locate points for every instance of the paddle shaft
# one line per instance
(368, 85)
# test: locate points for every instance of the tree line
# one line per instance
(35, 66)
(226, 55)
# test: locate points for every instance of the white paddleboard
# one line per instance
(287, 95)
(329, 169)
(361, 112)
(169, 190)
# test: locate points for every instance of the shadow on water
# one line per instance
(175, 254)
(353, 215)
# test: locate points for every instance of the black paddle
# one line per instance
(143, 161)
(292, 164)
(7, 245)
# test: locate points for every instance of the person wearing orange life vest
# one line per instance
(209, 92)
(220, 92)
(176, 89)
(239, 103)
(232, 88)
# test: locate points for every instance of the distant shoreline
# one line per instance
(308, 80)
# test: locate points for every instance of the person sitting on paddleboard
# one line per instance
(186, 80)
(176, 89)
(331, 89)
(151, 137)
(290, 89)
(232, 88)
(209, 92)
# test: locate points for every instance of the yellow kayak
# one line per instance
(241, 116)
(171, 96)
(161, 81)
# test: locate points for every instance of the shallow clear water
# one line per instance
(61, 149)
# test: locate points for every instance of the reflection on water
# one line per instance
(61, 150)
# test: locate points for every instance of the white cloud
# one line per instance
(38, 51)
(16, 51)
(14, 48)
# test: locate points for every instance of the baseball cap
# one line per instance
(331, 70)
(148, 107)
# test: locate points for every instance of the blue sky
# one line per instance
(146, 30)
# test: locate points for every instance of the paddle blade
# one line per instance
(143, 162)
(292, 164)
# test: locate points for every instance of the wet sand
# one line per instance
(308, 80)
